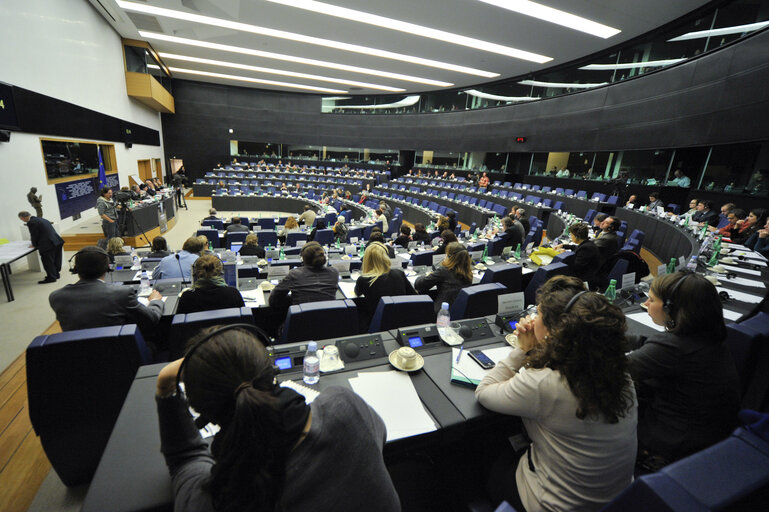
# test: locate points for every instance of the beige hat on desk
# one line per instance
(406, 359)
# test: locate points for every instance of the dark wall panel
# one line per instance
(717, 98)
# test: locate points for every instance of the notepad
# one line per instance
(144, 301)
(469, 373)
(392, 395)
(753, 283)
(348, 289)
(253, 298)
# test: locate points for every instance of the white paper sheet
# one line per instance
(392, 395)
(741, 296)
(472, 370)
(742, 281)
(645, 319)
(731, 315)
(348, 289)
(732, 268)
(253, 298)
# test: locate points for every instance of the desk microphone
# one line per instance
(180, 267)
(466, 332)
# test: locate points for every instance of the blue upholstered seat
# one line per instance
(186, 326)
(401, 311)
(507, 274)
(540, 277)
(318, 320)
(477, 300)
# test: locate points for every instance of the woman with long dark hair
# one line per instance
(687, 380)
(454, 273)
(273, 451)
(567, 379)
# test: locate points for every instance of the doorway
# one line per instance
(145, 169)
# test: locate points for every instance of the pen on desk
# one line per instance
(461, 348)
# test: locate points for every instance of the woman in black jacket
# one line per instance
(454, 273)
(252, 248)
(420, 234)
(209, 291)
(378, 280)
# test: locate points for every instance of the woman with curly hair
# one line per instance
(568, 381)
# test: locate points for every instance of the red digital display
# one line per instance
(520, 139)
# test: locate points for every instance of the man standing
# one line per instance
(36, 202)
(308, 216)
(92, 303)
(108, 213)
(47, 242)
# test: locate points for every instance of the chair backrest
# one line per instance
(618, 270)
(743, 343)
(569, 192)
(613, 200)
(267, 238)
(582, 194)
(324, 236)
(293, 238)
(266, 222)
(675, 208)
(236, 237)
(558, 205)
(508, 274)
(566, 257)
(318, 320)
(477, 300)
(401, 311)
(213, 223)
(540, 277)
(422, 258)
(590, 215)
(186, 326)
(212, 235)
(715, 478)
(77, 382)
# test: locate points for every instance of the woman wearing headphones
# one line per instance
(687, 381)
(378, 280)
(273, 451)
(454, 273)
(312, 282)
(567, 379)
(209, 291)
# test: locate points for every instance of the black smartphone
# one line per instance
(482, 359)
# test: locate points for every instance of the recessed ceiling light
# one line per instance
(292, 36)
(254, 80)
(560, 85)
(738, 29)
(495, 97)
(291, 58)
(632, 65)
(412, 28)
(173, 56)
(556, 16)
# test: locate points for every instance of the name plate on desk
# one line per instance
(277, 271)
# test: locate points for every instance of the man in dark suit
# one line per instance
(705, 214)
(93, 303)
(587, 256)
(47, 242)
(513, 232)
(235, 226)
(608, 241)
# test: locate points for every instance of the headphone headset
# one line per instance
(572, 301)
(668, 307)
(263, 338)
(92, 249)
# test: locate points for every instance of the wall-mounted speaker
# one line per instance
(5, 136)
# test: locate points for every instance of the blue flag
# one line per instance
(102, 172)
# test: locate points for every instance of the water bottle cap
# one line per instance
(445, 305)
(613, 281)
(312, 346)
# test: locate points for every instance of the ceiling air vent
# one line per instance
(145, 22)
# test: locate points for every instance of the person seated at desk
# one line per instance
(159, 248)
(654, 202)
(212, 214)
(379, 216)
(513, 233)
(312, 282)
(340, 230)
(692, 207)
(483, 182)
(752, 223)
(308, 216)
(209, 291)
(687, 381)
(587, 256)
(705, 213)
(136, 193)
(454, 273)
(442, 224)
(236, 226)
(115, 248)
(319, 224)
(582, 424)
(597, 221)
(291, 226)
(447, 237)
(93, 303)
(404, 238)
(759, 240)
(180, 265)
(632, 201)
(251, 247)
(420, 234)
(680, 179)
(608, 241)
(451, 217)
(521, 216)
(150, 190)
(377, 236)
(732, 217)
(273, 451)
(378, 280)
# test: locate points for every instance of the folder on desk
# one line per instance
(467, 372)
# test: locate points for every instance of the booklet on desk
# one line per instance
(466, 372)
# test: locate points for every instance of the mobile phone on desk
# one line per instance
(482, 359)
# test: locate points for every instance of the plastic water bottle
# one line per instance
(443, 322)
(145, 281)
(672, 266)
(692, 265)
(611, 291)
(136, 264)
(311, 364)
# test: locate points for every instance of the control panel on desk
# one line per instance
(363, 347)
(422, 336)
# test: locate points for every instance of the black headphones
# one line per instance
(668, 307)
(572, 301)
(91, 249)
(201, 421)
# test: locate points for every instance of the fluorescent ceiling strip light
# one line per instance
(254, 80)
(563, 18)
(269, 32)
(291, 58)
(412, 28)
(405, 102)
(495, 97)
(559, 85)
(173, 56)
(632, 65)
(721, 31)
